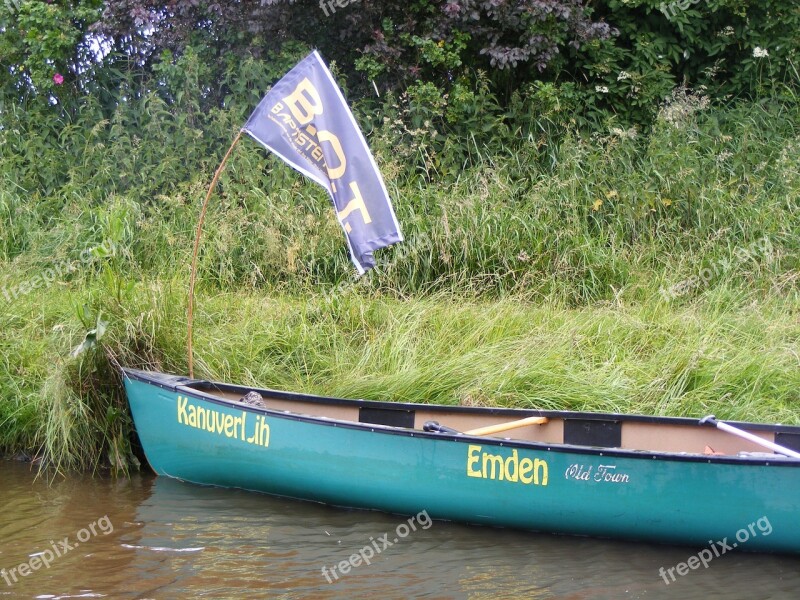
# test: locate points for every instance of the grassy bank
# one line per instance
(739, 362)
(652, 273)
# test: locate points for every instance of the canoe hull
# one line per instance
(549, 488)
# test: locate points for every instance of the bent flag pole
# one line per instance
(305, 120)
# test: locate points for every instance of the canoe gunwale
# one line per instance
(187, 386)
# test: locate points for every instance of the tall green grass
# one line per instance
(737, 362)
(534, 278)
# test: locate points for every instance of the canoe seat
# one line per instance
(598, 432)
(392, 417)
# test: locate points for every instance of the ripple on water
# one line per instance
(175, 540)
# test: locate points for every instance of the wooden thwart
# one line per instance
(490, 429)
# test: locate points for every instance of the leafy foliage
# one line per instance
(727, 48)
(611, 60)
(581, 155)
(40, 41)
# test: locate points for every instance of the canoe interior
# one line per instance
(614, 431)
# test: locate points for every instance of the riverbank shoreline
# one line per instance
(653, 273)
(737, 361)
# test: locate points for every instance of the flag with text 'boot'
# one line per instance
(305, 120)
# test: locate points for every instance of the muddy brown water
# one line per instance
(148, 537)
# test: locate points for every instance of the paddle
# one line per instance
(490, 429)
(434, 426)
(712, 420)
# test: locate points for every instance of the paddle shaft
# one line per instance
(490, 429)
(749, 436)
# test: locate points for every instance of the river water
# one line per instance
(149, 537)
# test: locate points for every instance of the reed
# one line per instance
(655, 274)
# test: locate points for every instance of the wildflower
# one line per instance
(728, 30)
(58, 79)
(601, 89)
(611, 194)
(666, 202)
(760, 52)
(597, 204)
(623, 75)
(723, 156)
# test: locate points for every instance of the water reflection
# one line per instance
(175, 540)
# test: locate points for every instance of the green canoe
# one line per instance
(667, 480)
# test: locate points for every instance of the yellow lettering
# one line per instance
(263, 436)
(539, 465)
(215, 421)
(229, 426)
(357, 203)
(287, 120)
(304, 102)
(253, 439)
(512, 461)
(201, 418)
(472, 458)
(509, 468)
(496, 462)
(525, 467)
(182, 416)
(334, 173)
